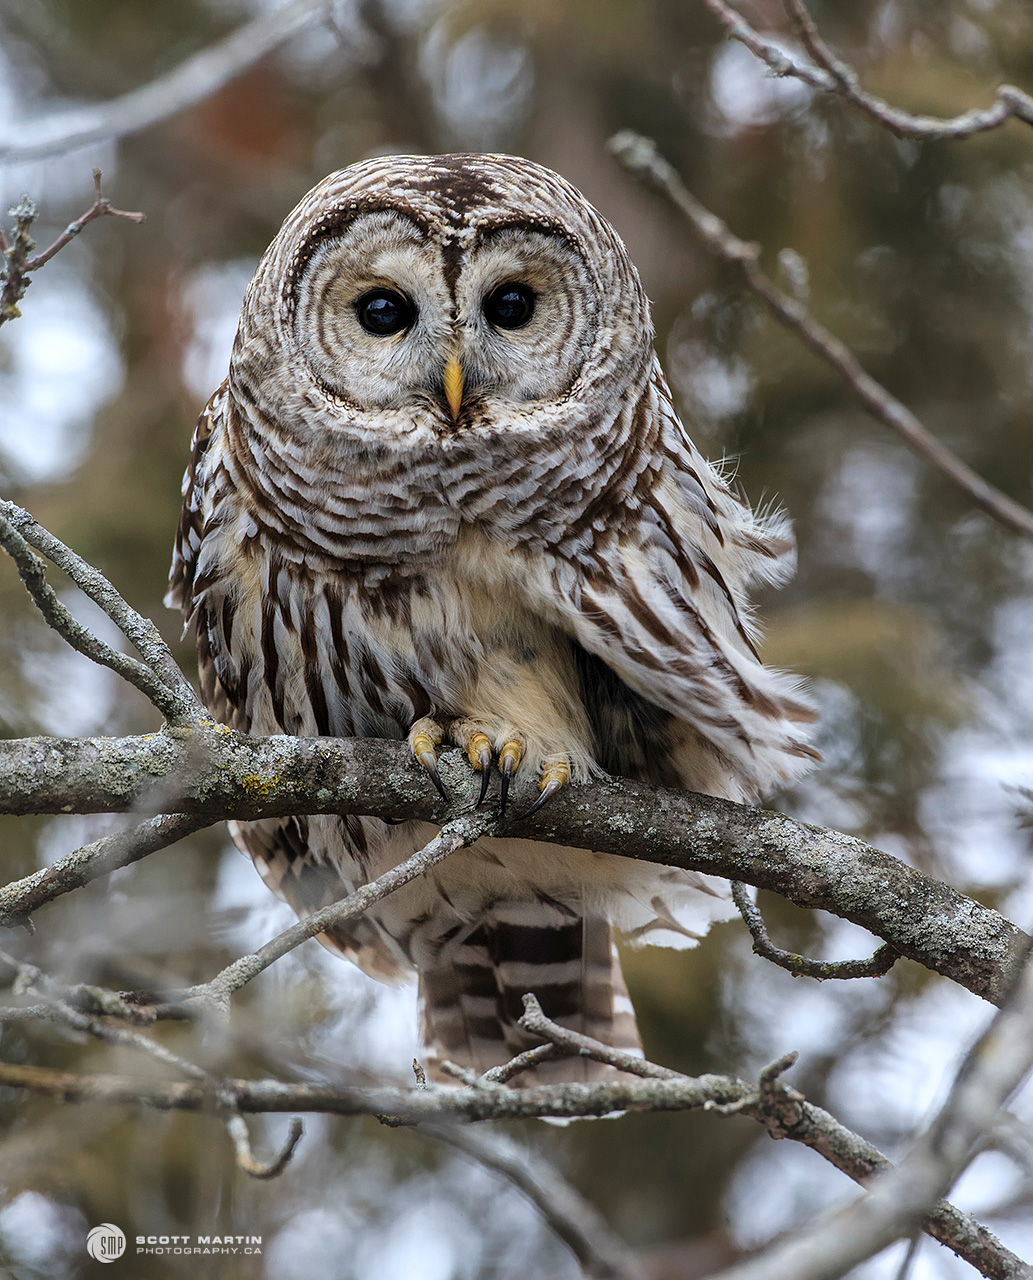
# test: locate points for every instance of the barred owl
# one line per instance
(443, 496)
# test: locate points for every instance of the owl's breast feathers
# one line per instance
(341, 590)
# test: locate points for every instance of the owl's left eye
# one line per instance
(510, 306)
(384, 311)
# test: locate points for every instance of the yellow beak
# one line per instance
(453, 379)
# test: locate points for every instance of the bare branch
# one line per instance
(157, 677)
(191, 82)
(833, 75)
(802, 966)
(237, 1128)
(640, 157)
(101, 207)
(577, 1045)
(600, 1251)
(458, 833)
(93, 860)
(899, 1199)
(215, 773)
(780, 1109)
(522, 1062)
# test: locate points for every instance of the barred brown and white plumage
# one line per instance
(443, 494)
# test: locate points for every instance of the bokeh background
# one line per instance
(911, 614)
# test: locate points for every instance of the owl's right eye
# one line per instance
(384, 311)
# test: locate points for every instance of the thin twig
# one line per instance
(536, 1023)
(601, 1253)
(803, 966)
(158, 677)
(640, 157)
(21, 897)
(455, 834)
(237, 1128)
(833, 75)
(101, 208)
(525, 1061)
(901, 1197)
(193, 80)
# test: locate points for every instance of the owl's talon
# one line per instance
(478, 752)
(430, 762)
(423, 738)
(554, 776)
(484, 765)
(509, 758)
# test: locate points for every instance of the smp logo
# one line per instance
(106, 1242)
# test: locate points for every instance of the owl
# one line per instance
(443, 496)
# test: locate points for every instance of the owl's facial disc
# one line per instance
(527, 315)
(373, 315)
(385, 320)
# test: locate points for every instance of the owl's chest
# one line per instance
(326, 652)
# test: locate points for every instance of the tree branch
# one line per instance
(781, 1110)
(457, 833)
(18, 266)
(191, 82)
(212, 774)
(833, 75)
(158, 677)
(640, 157)
(901, 1197)
(600, 1251)
(802, 966)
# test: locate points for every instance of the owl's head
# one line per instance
(443, 294)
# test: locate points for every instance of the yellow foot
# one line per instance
(476, 739)
(424, 736)
(473, 737)
(555, 774)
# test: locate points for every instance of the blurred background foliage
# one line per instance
(911, 614)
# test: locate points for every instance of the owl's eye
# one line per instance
(383, 312)
(510, 306)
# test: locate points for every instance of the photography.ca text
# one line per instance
(249, 1245)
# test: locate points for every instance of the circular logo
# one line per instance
(106, 1242)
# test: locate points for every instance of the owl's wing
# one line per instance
(660, 599)
(279, 847)
(191, 518)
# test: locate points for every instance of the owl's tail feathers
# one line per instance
(471, 991)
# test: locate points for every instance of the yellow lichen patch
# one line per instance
(257, 784)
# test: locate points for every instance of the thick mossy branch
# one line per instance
(212, 774)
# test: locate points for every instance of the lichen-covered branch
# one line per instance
(18, 266)
(779, 1108)
(213, 773)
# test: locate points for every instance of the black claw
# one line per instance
(435, 777)
(431, 765)
(485, 763)
(507, 774)
(548, 791)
